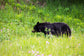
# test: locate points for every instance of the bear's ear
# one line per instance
(37, 22)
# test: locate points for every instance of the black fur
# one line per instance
(53, 28)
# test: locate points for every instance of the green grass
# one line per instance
(33, 46)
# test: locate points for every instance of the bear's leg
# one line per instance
(68, 33)
(44, 33)
(57, 33)
(62, 34)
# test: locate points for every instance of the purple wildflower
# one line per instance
(37, 51)
(49, 55)
(47, 42)
(1, 30)
(33, 52)
(29, 51)
(38, 55)
(42, 54)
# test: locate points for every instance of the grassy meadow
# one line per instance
(17, 20)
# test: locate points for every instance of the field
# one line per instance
(18, 19)
(41, 46)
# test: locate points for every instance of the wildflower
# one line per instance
(29, 51)
(38, 55)
(37, 51)
(47, 42)
(49, 55)
(33, 52)
(42, 54)
(79, 44)
(1, 30)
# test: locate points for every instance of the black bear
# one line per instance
(53, 28)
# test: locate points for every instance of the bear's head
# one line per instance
(37, 28)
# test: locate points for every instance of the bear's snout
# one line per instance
(33, 31)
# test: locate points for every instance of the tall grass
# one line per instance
(33, 46)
